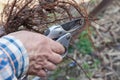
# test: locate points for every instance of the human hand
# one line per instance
(44, 53)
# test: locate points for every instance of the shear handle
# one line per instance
(65, 41)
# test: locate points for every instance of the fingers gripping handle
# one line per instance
(65, 41)
(58, 34)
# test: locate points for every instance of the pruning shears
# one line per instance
(63, 33)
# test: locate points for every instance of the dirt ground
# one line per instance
(108, 35)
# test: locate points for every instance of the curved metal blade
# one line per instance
(73, 25)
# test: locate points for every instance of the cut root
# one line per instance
(37, 15)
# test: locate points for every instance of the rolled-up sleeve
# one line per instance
(14, 60)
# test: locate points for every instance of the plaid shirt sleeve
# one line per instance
(13, 58)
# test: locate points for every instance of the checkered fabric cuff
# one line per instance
(16, 53)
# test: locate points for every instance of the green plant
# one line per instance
(72, 79)
(93, 1)
(89, 68)
(84, 44)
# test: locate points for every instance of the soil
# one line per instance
(108, 39)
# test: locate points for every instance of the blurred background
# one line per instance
(94, 53)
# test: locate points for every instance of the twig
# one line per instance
(12, 7)
(23, 7)
(79, 66)
(100, 7)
